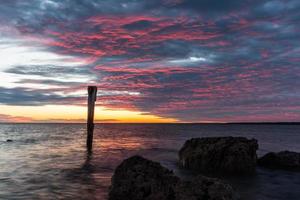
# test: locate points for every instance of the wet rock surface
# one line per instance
(205, 188)
(233, 155)
(286, 160)
(137, 178)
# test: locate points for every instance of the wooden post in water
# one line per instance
(92, 92)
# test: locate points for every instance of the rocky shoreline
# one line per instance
(137, 178)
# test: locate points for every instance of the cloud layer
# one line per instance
(193, 60)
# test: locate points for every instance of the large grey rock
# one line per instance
(137, 178)
(282, 160)
(234, 155)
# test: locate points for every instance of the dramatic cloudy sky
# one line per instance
(152, 60)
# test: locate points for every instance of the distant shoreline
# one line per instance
(178, 123)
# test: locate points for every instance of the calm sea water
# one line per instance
(49, 161)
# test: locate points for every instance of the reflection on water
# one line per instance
(49, 161)
(128, 143)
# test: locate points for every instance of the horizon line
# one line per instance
(152, 122)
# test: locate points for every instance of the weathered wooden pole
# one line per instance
(92, 92)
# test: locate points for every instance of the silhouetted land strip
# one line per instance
(264, 123)
(229, 123)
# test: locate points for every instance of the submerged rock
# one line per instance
(234, 155)
(137, 178)
(282, 160)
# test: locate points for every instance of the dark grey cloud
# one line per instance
(213, 5)
(28, 97)
(49, 70)
(138, 25)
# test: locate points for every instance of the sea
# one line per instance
(50, 161)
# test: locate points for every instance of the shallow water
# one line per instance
(49, 161)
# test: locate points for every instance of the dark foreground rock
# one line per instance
(234, 155)
(137, 178)
(204, 188)
(282, 160)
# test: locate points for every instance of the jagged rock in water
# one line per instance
(9, 140)
(233, 155)
(137, 178)
(282, 160)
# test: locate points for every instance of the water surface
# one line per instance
(49, 161)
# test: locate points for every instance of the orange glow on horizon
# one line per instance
(73, 114)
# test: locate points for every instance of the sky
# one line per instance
(152, 61)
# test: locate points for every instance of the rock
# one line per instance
(233, 155)
(137, 178)
(205, 188)
(282, 160)
(8, 140)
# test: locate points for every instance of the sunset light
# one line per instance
(173, 62)
(75, 114)
(150, 99)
